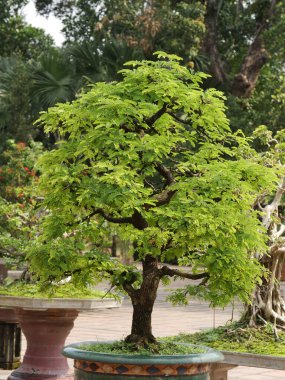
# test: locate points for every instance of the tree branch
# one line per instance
(129, 289)
(272, 208)
(178, 118)
(109, 218)
(164, 197)
(166, 271)
(166, 173)
(210, 44)
(151, 120)
(136, 219)
(280, 231)
(137, 127)
(256, 57)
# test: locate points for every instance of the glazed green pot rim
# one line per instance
(209, 356)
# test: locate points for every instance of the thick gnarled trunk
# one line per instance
(143, 300)
(141, 332)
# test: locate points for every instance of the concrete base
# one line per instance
(219, 371)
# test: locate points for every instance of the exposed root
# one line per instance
(267, 303)
(140, 341)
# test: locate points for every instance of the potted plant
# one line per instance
(153, 160)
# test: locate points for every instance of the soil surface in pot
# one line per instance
(162, 348)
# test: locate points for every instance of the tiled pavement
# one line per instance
(167, 320)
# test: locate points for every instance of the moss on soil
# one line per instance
(162, 348)
(237, 337)
(68, 290)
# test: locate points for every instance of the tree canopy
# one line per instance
(18, 37)
(175, 26)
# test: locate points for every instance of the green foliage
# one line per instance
(161, 24)
(16, 36)
(237, 337)
(34, 290)
(17, 169)
(237, 26)
(265, 106)
(15, 105)
(18, 217)
(20, 45)
(154, 157)
(53, 79)
(162, 348)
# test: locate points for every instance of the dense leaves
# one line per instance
(154, 157)
(18, 217)
(18, 37)
(148, 25)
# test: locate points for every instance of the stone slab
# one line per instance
(254, 360)
(28, 303)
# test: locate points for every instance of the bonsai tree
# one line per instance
(151, 158)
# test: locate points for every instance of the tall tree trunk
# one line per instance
(143, 300)
(256, 57)
(210, 43)
(244, 82)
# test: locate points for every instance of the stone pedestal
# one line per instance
(45, 332)
(46, 323)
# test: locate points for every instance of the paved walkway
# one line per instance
(167, 320)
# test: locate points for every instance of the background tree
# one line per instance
(237, 41)
(148, 25)
(18, 217)
(20, 44)
(16, 36)
(15, 103)
(152, 155)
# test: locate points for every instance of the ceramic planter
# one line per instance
(96, 366)
(46, 323)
